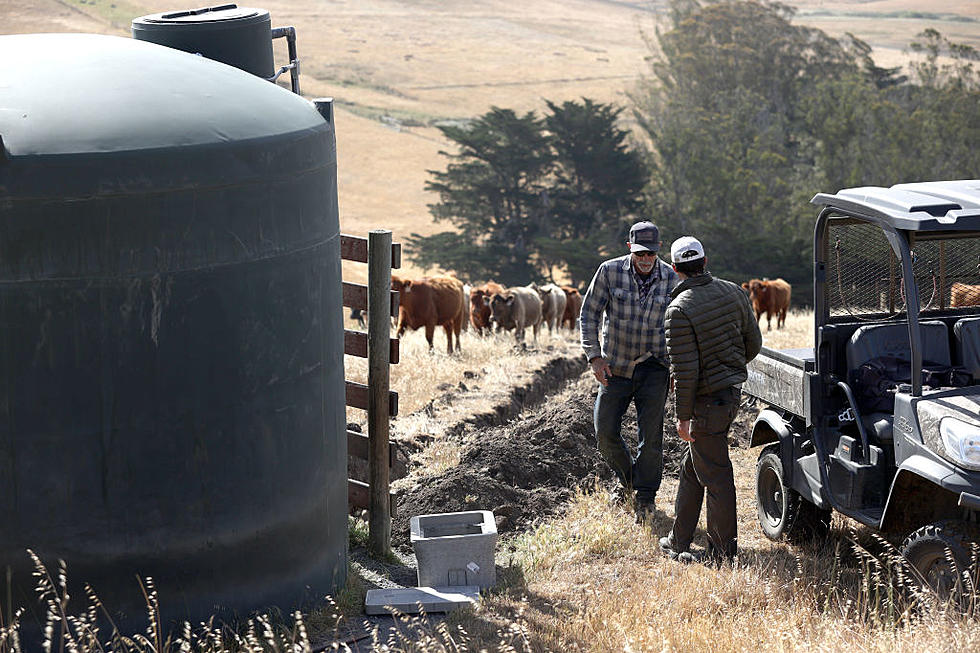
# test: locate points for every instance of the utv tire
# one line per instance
(941, 553)
(783, 513)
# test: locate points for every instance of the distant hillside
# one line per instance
(398, 68)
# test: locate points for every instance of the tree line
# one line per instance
(743, 117)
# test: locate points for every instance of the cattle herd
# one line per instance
(447, 302)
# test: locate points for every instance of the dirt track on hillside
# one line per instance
(525, 469)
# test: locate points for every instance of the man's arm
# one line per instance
(683, 349)
(751, 334)
(593, 304)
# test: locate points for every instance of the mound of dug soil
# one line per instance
(526, 469)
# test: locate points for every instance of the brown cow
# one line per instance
(479, 309)
(964, 294)
(573, 306)
(430, 302)
(771, 298)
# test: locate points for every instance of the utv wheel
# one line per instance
(941, 553)
(783, 513)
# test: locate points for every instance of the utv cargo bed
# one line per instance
(778, 377)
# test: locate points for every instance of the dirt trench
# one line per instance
(523, 459)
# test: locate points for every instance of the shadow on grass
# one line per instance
(509, 616)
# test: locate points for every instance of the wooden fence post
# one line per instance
(379, 348)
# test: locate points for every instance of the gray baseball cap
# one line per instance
(644, 237)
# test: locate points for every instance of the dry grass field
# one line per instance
(591, 578)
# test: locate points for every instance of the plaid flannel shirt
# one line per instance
(632, 330)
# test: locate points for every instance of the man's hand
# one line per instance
(684, 430)
(601, 370)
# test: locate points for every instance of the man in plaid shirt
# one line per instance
(628, 298)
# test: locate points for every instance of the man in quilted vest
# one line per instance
(711, 335)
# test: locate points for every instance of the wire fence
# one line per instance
(864, 277)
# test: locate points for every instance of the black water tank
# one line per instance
(171, 338)
(238, 36)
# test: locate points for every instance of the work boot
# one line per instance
(667, 546)
(645, 510)
(707, 558)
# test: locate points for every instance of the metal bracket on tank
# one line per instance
(324, 106)
(293, 65)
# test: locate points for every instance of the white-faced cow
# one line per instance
(480, 308)
(516, 308)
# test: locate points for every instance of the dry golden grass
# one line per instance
(493, 361)
(797, 332)
(436, 389)
(599, 583)
(594, 580)
(396, 69)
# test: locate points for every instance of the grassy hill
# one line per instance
(399, 68)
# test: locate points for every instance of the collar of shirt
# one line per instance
(644, 284)
(690, 282)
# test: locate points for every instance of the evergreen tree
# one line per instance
(725, 113)
(493, 191)
(750, 115)
(530, 197)
(597, 188)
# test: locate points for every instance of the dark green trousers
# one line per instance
(706, 468)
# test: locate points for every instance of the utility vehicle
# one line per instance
(880, 419)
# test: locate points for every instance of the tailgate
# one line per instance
(778, 377)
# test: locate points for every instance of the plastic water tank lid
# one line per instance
(204, 14)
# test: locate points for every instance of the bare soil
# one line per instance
(522, 459)
(526, 468)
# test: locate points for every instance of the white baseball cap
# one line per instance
(686, 248)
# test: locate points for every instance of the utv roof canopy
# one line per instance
(923, 206)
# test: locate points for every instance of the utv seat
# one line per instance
(877, 340)
(967, 334)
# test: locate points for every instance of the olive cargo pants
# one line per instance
(707, 467)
